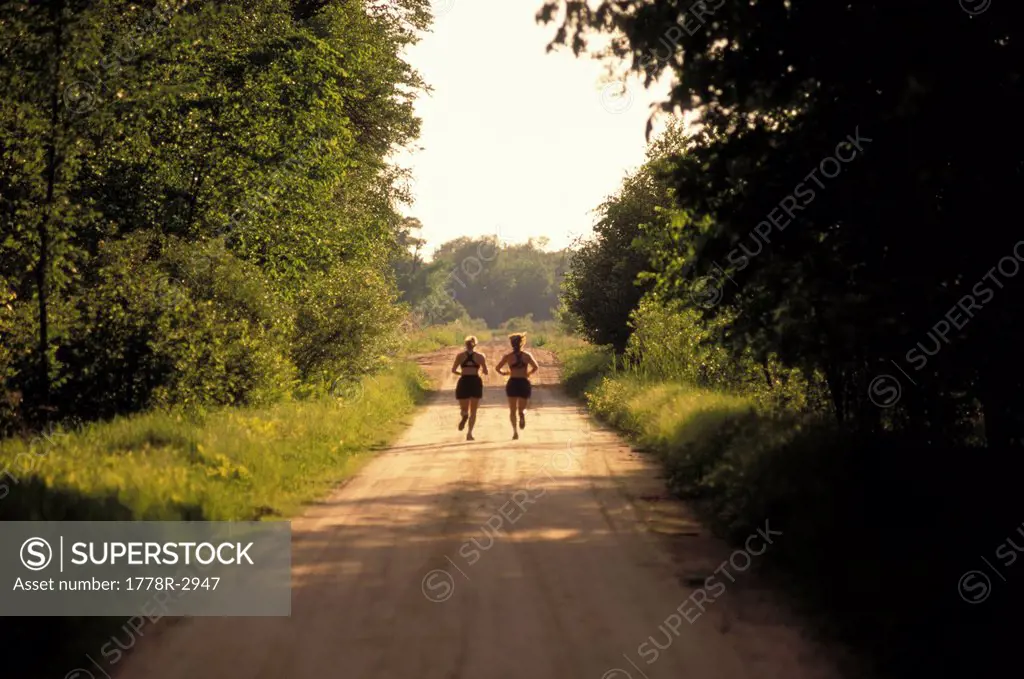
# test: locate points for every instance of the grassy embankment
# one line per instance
(877, 532)
(436, 337)
(539, 333)
(227, 464)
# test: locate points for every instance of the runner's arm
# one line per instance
(533, 365)
(455, 365)
(483, 363)
(497, 368)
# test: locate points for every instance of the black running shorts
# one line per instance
(518, 387)
(469, 386)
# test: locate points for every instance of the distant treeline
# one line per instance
(480, 279)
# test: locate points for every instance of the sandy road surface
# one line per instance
(557, 556)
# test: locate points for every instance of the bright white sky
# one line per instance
(514, 138)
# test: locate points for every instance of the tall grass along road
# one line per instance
(557, 555)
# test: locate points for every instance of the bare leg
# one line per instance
(512, 415)
(473, 404)
(521, 402)
(464, 407)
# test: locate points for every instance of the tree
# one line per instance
(486, 280)
(859, 265)
(187, 182)
(602, 288)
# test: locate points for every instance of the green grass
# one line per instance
(230, 464)
(436, 337)
(582, 364)
(737, 459)
(539, 334)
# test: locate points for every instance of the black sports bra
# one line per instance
(519, 360)
(469, 362)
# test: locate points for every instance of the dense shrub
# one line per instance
(344, 324)
(670, 341)
(605, 284)
(155, 332)
(206, 215)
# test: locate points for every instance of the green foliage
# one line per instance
(604, 284)
(345, 317)
(149, 336)
(10, 400)
(818, 197)
(582, 365)
(708, 440)
(838, 226)
(196, 201)
(672, 342)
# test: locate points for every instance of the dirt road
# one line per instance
(556, 556)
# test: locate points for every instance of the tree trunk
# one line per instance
(57, 16)
(836, 388)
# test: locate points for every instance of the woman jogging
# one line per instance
(521, 365)
(470, 388)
